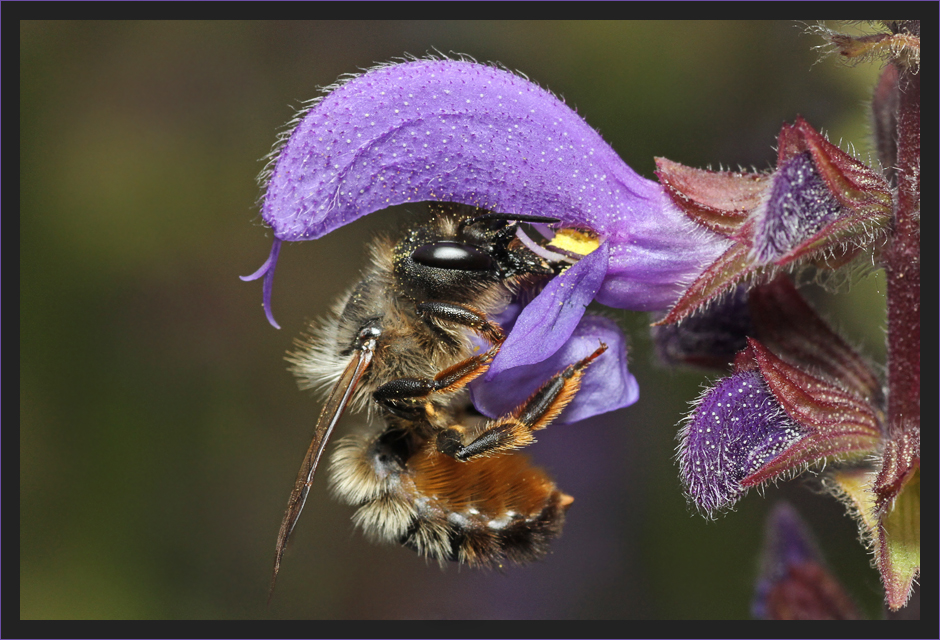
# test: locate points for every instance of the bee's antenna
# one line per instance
(508, 217)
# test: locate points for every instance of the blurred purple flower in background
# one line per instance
(794, 581)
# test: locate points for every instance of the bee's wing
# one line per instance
(332, 410)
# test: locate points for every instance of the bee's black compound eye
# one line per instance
(453, 255)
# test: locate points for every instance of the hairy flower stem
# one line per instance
(902, 267)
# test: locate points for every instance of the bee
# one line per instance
(433, 476)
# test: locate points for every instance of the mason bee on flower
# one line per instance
(435, 476)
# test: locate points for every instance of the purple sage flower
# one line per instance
(457, 131)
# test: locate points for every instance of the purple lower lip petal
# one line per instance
(548, 321)
(607, 384)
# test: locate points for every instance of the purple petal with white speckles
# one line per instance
(447, 130)
(607, 384)
(737, 428)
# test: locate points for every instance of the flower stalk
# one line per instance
(902, 268)
(897, 487)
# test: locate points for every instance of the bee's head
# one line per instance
(464, 252)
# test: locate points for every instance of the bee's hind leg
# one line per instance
(515, 430)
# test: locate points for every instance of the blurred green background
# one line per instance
(160, 431)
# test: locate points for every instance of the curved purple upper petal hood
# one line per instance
(456, 131)
(447, 130)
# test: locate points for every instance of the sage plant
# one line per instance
(712, 253)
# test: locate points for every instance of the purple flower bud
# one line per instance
(736, 428)
(819, 204)
(767, 419)
(711, 337)
(798, 204)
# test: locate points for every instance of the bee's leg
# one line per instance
(515, 430)
(467, 317)
(396, 394)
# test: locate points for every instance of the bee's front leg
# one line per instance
(515, 430)
(399, 395)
